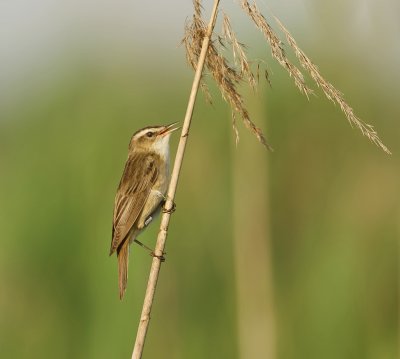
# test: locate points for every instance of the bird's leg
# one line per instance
(143, 245)
(161, 258)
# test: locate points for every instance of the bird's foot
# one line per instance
(161, 257)
(168, 210)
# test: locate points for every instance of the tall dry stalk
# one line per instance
(162, 235)
(252, 252)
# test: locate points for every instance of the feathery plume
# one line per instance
(331, 92)
(226, 76)
(275, 43)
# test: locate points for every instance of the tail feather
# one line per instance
(123, 258)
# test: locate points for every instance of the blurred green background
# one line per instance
(78, 78)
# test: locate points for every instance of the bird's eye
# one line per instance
(149, 134)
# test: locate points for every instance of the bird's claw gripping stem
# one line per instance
(161, 257)
(169, 210)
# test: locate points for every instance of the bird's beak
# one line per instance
(169, 129)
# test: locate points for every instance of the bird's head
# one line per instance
(152, 138)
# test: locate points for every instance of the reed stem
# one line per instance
(162, 235)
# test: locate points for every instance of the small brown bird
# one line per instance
(141, 191)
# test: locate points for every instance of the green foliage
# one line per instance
(334, 223)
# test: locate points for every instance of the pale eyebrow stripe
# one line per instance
(140, 133)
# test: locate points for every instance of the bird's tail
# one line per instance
(123, 258)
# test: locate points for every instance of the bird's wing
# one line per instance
(139, 176)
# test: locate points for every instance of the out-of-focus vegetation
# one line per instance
(334, 213)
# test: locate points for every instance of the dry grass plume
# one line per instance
(226, 76)
(229, 75)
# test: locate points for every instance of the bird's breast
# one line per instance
(161, 183)
(156, 196)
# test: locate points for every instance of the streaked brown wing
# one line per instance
(139, 176)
